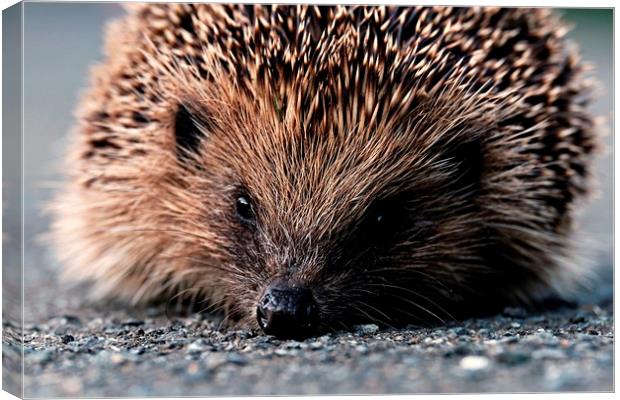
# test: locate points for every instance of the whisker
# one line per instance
(415, 294)
(379, 312)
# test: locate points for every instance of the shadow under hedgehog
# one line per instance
(303, 168)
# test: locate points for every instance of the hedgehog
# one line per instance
(303, 169)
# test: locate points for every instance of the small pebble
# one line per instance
(196, 347)
(214, 361)
(577, 319)
(72, 387)
(550, 354)
(460, 331)
(236, 359)
(133, 322)
(192, 368)
(513, 357)
(362, 349)
(368, 329)
(67, 339)
(117, 359)
(474, 363)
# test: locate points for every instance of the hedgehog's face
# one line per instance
(320, 232)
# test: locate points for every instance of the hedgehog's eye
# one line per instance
(379, 217)
(245, 209)
(375, 229)
(380, 221)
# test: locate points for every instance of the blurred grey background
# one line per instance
(61, 42)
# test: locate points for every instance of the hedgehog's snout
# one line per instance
(287, 311)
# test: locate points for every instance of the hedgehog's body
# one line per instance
(362, 163)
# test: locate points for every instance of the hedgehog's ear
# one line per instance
(188, 133)
(468, 160)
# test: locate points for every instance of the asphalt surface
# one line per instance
(85, 351)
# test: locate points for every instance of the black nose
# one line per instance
(287, 312)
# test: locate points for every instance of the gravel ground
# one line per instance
(140, 353)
